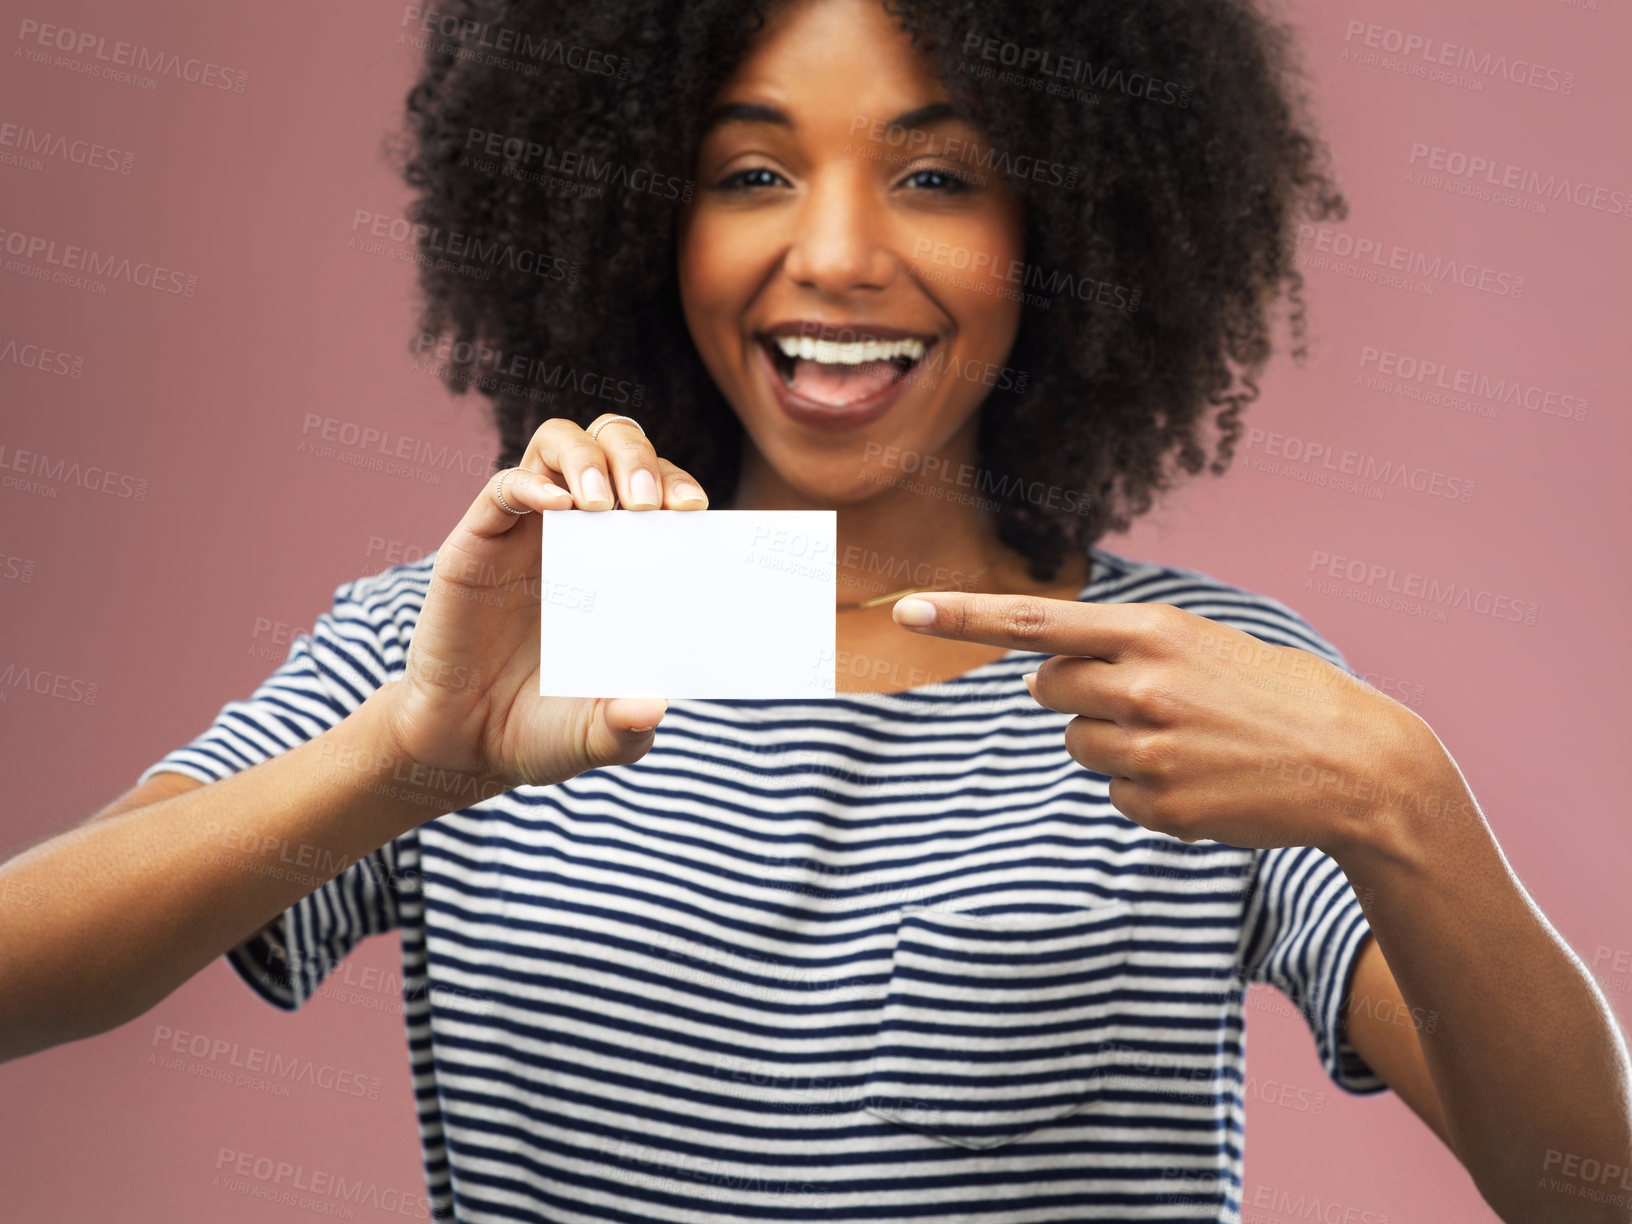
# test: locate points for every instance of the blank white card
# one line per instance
(688, 603)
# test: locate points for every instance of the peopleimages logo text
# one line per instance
(1398, 258)
(1465, 59)
(1442, 592)
(132, 55)
(82, 259)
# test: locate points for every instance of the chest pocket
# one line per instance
(995, 1026)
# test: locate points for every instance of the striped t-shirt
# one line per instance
(870, 957)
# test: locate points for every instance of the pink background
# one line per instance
(174, 604)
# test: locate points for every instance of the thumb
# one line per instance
(623, 727)
(637, 714)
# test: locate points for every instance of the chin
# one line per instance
(847, 483)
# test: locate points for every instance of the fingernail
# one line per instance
(643, 489)
(915, 612)
(1031, 682)
(685, 491)
(662, 708)
(595, 486)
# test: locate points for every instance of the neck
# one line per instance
(901, 535)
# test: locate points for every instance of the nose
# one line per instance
(841, 239)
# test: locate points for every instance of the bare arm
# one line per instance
(1382, 1028)
(1523, 1070)
(140, 897)
(1208, 732)
(108, 918)
(159, 786)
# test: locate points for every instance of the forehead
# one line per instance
(834, 60)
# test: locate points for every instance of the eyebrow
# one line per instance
(759, 112)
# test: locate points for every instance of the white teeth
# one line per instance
(828, 353)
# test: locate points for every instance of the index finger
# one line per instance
(1028, 622)
(631, 458)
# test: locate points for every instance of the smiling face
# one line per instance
(825, 264)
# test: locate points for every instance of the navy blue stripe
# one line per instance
(736, 867)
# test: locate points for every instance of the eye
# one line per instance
(749, 179)
(936, 179)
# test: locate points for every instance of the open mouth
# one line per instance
(841, 373)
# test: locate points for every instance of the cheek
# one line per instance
(991, 306)
(717, 281)
(971, 266)
(716, 264)
(702, 263)
(694, 265)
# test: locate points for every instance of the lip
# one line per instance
(816, 415)
(844, 333)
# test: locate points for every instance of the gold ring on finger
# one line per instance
(593, 432)
(498, 491)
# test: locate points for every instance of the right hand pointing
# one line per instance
(469, 702)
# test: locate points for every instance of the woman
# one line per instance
(970, 940)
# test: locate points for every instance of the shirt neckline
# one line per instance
(1098, 571)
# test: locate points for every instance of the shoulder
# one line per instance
(389, 593)
(376, 614)
(1119, 579)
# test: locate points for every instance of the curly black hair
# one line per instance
(555, 141)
